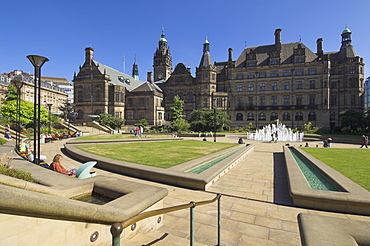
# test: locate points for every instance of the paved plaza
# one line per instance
(256, 207)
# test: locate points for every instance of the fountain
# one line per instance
(284, 134)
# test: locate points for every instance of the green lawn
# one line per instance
(158, 154)
(121, 136)
(352, 163)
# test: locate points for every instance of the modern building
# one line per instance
(62, 83)
(285, 81)
(367, 93)
(100, 89)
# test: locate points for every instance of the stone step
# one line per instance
(158, 238)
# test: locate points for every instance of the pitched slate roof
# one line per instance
(147, 86)
(263, 52)
(119, 78)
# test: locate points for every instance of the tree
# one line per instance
(178, 122)
(177, 108)
(143, 123)
(204, 120)
(112, 122)
(352, 119)
(9, 112)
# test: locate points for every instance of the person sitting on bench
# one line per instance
(56, 166)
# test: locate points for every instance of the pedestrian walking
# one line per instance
(365, 141)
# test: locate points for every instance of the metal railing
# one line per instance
(117, 228)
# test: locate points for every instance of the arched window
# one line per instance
(286, 116)
(273, 116)
(312, 116)
(250, 116)
(262, 116)
(239, 117)
(298, 116)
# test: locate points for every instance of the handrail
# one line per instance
(118, 227)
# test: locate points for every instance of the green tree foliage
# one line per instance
(112, 122)
(204, 119)
(177, 108)
(309, 128)
(9, 112)
(178, 122)
(353, 119)
(12, 93)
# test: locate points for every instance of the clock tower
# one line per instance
(162, 60)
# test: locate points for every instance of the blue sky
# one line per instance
(61, 30)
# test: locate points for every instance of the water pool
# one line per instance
(315, 177)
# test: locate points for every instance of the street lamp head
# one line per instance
(49, 105)
(37, 61)
(17, 82)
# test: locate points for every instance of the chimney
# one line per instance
(149, 77)
(230, 54)
(278, 39)
(319, 47)
(89, 55)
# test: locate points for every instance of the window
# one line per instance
(333, 100)
(239, 100)
(299, 85)
(332, 116)
(286, 85)
(311, 116)
(274, 61)
(239, 117)
(274, 86)
(352, 69)
(239, 87)
(353, 100)
(286, 100)
(298, 116)
(262, 74)
(250, 87)
(312, 71)
(286, 116)
(262, 86)
(205, 102)
(229, 76)
(250, 75)
(250, 101)
(251, 63)
(273, 100)
(250, 116)
(312, 84)
(299, 59)
(298, 72)
(262, 100)
(262, 116)
(312, 100)
(219, 102)
(239, 76)
(130, 115)
(129, 102)
(334, 84)
(274, 73)
(189, 97)
(287, 72)
(298, 100)
(273, 116)
(205, 76)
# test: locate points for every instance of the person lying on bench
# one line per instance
(56, 166)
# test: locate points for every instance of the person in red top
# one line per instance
(56, 166)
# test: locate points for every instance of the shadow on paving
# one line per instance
(281, 187)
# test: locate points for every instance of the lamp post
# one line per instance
(49, 108)
(18, 84)
(37, 62)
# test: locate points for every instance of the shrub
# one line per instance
(5, 170)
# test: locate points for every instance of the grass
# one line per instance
(157, 154)
(352, 163)
(338, 136)
(120, 136)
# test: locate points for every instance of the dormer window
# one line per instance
(251, 63)
(274, 61)
(299, 54)
(299, 59)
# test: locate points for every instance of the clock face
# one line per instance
(159, 76)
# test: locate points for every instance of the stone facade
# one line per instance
(285, 81)
(100, 89)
